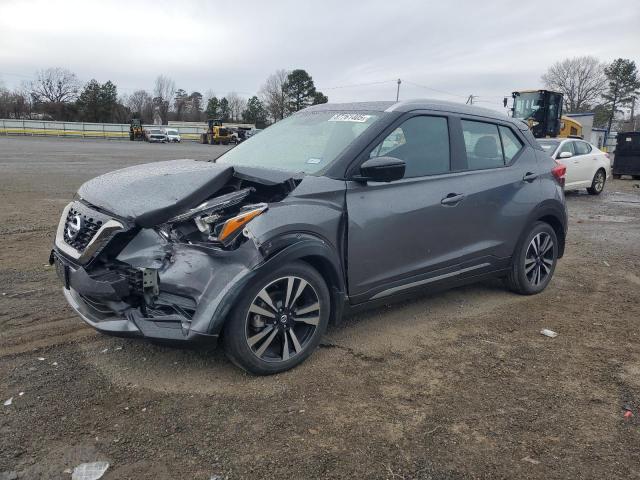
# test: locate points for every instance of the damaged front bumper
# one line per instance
(153, 287)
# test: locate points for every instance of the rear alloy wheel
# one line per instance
(279, 322)
(597, 185)
(535, 261)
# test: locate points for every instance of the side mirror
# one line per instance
(565, 155)
(381, 169)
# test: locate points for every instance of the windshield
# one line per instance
(528, 106)
(172, 132)
(305, 142)
(549, 146)
(156, 132)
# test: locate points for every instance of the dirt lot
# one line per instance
(449, 386)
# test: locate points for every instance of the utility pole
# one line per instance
(633, 118)
(398, 90)
(470, 100)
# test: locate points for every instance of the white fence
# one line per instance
(116, 131)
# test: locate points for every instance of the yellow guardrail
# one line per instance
(80, 131)
(62, 133)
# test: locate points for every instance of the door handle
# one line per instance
(529, 177)
(452, 199)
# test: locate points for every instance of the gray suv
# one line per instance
(335, 208)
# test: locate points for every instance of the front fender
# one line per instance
(279, 251)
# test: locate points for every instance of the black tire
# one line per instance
(636, 177)
(246, 332)
(525, 263)
(597, 184)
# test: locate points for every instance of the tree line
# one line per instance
(57, 94)
(589, 85)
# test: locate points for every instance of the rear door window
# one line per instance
(582, 148)
(483, 145)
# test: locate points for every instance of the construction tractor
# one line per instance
(135, 130)
(542, 111)
(216, 134)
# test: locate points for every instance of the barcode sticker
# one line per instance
(350, 117)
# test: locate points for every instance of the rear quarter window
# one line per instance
(511, 144)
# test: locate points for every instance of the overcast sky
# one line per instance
(354, 50)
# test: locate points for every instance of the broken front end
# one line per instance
(160, 250)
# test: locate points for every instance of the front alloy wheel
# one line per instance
(278, 320)
(282, 319)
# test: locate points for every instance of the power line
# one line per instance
(436, 90)
(357, 85)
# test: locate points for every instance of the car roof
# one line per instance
(416, 104)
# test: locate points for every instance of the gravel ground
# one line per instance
(448, 386)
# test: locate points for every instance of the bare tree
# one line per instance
(141, 104)
(236, 105)
(55, 85)
(14, 104)
(163, 93)
(582, 80)
(136, 100)
(273, 95)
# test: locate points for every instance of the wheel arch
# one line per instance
(318, 253)
(558, 228)
(604, 170)
(554, 214)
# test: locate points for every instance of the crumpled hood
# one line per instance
(152, 193)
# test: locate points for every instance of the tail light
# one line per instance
(559, 172)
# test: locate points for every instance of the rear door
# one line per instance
(586, 162)
(502, 188)
(573, 171)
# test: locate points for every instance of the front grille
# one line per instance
(89, 225)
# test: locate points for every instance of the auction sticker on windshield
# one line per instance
(349, 117)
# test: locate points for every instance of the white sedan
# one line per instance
(173, 135)
(587, 167)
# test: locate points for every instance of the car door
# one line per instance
(405, 232)
(585, 162)
(573, 175)
(502, 189)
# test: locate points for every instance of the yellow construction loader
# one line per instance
(216, 134)
(542, 111)
(135, 130)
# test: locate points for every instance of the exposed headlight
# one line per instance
(234, 225)
(213, 205)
